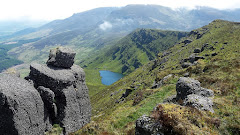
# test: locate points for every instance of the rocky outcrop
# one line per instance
(54, 94)
(21, 108)
(61, 57)
(66, 84)
(199, 102)
(146, 125)
(158, 84)
(192, 59)
(189, 93)
(192, 94)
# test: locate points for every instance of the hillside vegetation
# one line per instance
(6, 60)
(135, 50)
(219, 70)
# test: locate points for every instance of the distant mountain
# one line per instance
(91, 31)
(155, 16)
(11, 26)
(135, 50)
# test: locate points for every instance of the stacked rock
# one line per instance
(63, 90)
(59, 96)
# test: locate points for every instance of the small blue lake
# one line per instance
(109, 77)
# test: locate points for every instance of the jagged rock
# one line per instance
(186, 86)
(199, 102)
(192, 58)
(187, 41)
(207, 46)
(165, 54)
(199, 57)
(186, 64)
(61, 57)
(145, 125)
(197, 50)
(214, 54)
(126, 93)
(71, 93)
(21, 108)
(158, 63)
(161, 82)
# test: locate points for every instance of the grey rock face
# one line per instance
(48, 98)
(61, 97)
(147, 126)
(190, 91)
(21, 107)
(191, 60)
(200, 102)
(51, 77)
(161, 82)
(61, 57)
(186, 64)
(71, 94)
(186, 86)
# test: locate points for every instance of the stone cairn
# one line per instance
(59, 96)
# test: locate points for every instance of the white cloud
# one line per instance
(59, 9)
(106, 25)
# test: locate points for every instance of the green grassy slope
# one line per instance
(135, 50)
(6, 60)
(221, 73)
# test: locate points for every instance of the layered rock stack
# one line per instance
(59, 96)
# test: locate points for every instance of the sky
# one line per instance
(60, 9)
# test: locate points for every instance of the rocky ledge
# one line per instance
(55, 93)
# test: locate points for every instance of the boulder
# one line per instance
(197, 50)
(161, 82)
(187, 41)
(214, 54)
(186, 64)
(199, 102)
(207, 47)
(127, 92)
(146, 125)
(21, 107)
(71, 94)
(186, 86)
(192, 94)
(61, 57)
(192, 57)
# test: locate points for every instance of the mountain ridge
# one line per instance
(135, 49)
